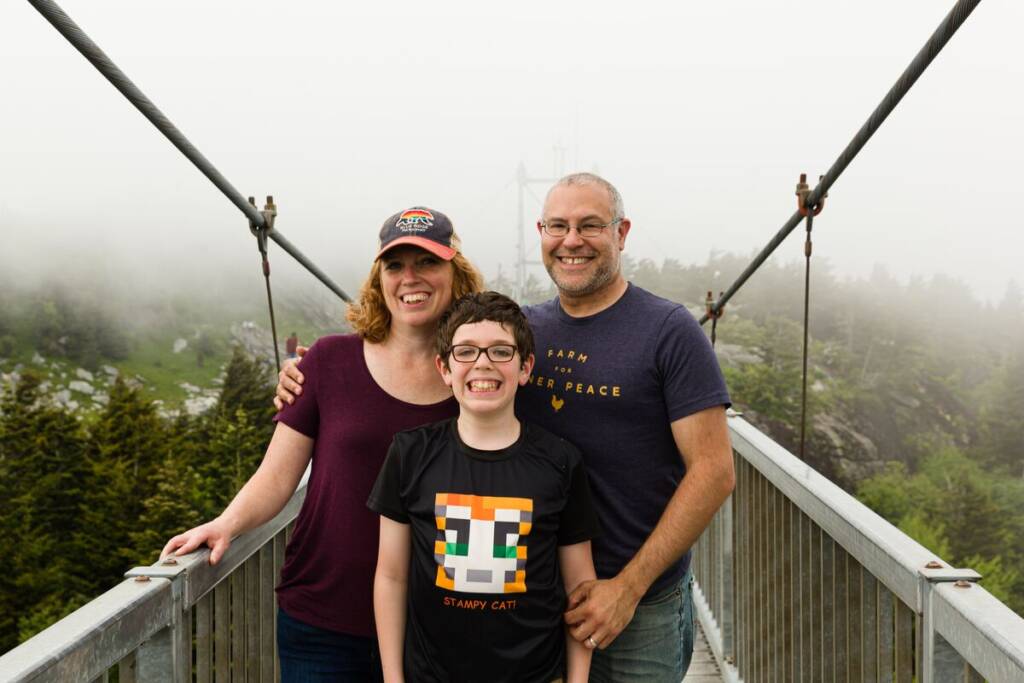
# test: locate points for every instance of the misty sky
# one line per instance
(703, 114)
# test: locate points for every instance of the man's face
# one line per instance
(582, 266)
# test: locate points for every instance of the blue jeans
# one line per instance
(310, 654)
(657, 645)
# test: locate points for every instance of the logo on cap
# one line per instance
(415, 220)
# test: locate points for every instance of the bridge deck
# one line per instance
(703, 667)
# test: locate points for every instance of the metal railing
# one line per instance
(173, 622)
(796, 581)
(799, 581)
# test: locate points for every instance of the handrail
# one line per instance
(92, 639)
(87, 642)
(200, 576)
(884, 550)
(758, 562)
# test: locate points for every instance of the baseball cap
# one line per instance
(422, 227)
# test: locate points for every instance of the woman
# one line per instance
(359, 391)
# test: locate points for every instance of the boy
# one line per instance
(485, 522)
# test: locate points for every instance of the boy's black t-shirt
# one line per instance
(485, 591)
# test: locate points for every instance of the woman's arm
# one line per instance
(577, 566)
(262, 497)
(390, 586)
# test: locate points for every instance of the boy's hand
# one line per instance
(599, 610)
(289, 380)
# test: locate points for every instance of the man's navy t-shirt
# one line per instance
(611, 384)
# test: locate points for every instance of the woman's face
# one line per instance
(417, 285)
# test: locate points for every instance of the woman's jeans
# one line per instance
(315, 655)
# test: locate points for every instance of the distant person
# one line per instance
(495, 516)
(631, 380)
(361, 389)
(291, 346)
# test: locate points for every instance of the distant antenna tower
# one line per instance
(523, 183)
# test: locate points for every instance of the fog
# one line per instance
(703, 114)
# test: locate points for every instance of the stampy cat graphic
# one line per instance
(478, 542)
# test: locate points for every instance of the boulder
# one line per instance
(81, 387)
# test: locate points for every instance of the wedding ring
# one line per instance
(591, 642)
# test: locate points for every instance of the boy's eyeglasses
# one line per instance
(498, 353)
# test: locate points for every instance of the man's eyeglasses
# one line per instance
(498, 353)
(588, 229)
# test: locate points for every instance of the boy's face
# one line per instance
(484, 386)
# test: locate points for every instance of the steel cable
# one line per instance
(807, 318)
(925, 55)
(66, 26)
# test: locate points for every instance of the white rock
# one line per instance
(190, 388)
(180, 345)
(199, 404)
(72, 405)
(81, 387)
(63, 396)
(110, 370)
(82, 373)
(37, 359)
(101, 398)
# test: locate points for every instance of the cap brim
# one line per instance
(439, 250)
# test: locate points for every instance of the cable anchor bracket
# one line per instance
(803, 190)
(709, 306)
(714, 313)
(269, 213)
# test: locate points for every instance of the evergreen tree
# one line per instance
(1002, 433)
(247, 387)
(174, 506)
(126, 447)
(42, 465)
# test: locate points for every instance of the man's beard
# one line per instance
(602, 276)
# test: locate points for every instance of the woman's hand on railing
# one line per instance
(214, 534)
(289, 380)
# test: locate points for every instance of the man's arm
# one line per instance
(390, 587)
(602, 609)
(577, 565)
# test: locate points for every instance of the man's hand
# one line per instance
(599, 610)
(289, 380)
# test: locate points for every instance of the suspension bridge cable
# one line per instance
(66, 26)
(807, 319)
(924, 57)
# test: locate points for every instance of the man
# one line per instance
(631, 380)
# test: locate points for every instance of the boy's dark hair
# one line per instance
(479, 307)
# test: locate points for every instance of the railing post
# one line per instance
(167, 656)
(940, 663)
(727, 618)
